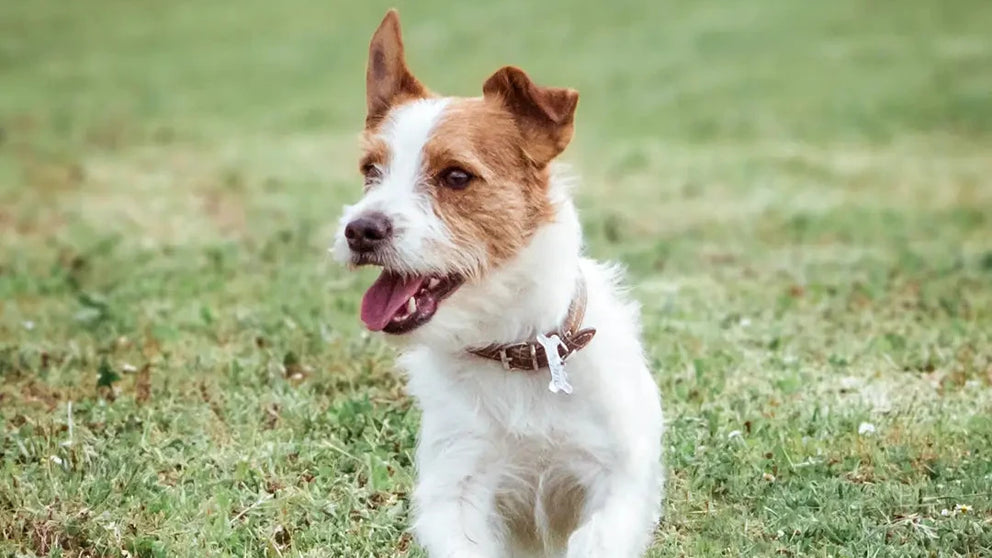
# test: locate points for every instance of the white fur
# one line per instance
(497, 449)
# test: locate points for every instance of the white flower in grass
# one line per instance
(958, 510)
(866, 429)
(734, 434)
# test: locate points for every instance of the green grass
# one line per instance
(800, 190)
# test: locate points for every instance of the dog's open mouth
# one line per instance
(398, 303)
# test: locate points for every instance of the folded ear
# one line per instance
(387, 79)
(544, 114)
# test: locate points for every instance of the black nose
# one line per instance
(368, 232)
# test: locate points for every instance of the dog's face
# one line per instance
(453, 186)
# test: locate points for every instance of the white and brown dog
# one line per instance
(541, 430)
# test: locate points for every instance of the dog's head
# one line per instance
(454, 187)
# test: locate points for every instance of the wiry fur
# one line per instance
(505, 467)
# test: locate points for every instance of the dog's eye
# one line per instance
(455, 178)
(372, 173)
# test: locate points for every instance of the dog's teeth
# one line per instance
(411, 305)
(433, 282)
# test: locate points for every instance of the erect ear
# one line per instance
(544, 114)
(387, 79)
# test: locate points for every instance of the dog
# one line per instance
(542, 425)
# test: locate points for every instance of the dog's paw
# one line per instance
(587, 542)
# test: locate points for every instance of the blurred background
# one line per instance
(799, 190)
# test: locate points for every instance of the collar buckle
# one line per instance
(504, 359)
(530, 349)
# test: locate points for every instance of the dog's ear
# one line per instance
(544, 114)
(387, 79)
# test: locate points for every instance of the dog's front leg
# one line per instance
(454, 507)
(620, 517)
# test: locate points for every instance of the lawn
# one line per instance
(802, 193)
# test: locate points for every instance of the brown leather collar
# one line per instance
(530, 355)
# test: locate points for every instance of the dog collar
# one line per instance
(531, 355)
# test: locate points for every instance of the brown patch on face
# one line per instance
(374, 150)
(375, 157)
(507, 200)
(388, 82)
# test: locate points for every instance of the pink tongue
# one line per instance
(385, 297)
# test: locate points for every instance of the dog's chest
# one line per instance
(462, 399)
(540, 449)
(499, 403)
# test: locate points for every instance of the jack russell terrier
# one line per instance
(542, 426)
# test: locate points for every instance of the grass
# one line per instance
(800, 191)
